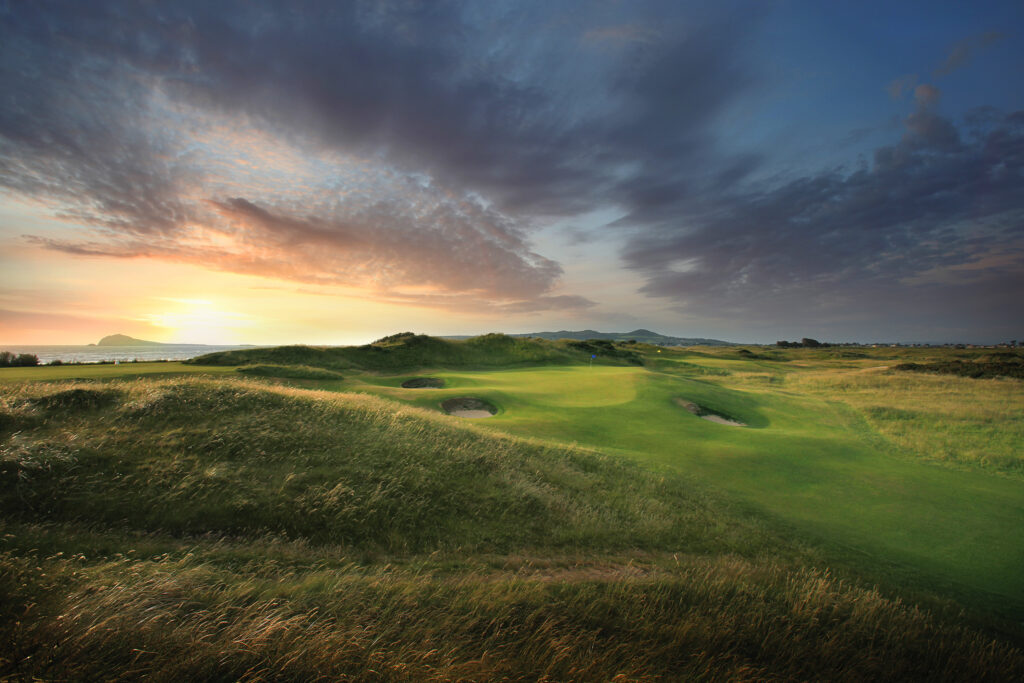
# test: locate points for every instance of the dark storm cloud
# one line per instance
(418, 86)
(933, 214)
(442, 89)
(510, 112)
(405, 82)
(72, 132)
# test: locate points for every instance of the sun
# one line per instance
(199, 321)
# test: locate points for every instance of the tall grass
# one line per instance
(938, 417)
(721, 619)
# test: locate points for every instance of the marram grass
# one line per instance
(718, 619)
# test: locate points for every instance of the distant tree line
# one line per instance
(805, 343)
(8, 359)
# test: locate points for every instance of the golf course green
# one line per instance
(859, 509)
(811, 463)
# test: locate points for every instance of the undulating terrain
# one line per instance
(297, 512)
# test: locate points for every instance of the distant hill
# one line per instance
(125, 340)
(407, 351)
(643, 336)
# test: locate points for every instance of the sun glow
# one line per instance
(200, 319)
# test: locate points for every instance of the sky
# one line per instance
(332, 172)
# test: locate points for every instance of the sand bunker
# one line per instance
(423, 383)
(718, 419)
(467, 406)
(705, 414)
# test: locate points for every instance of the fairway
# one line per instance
(813, 465)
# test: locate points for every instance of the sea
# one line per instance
(120, 354)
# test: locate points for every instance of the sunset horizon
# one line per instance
(332, 174)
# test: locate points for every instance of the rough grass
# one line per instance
(185, 618)
(105, 371)
(996, 365)
(289, 372)
(200, 456)
(221, 529)
(951, 419)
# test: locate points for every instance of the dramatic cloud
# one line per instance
(106, 109)
(927, 217)
(406, 247)
(411, 150)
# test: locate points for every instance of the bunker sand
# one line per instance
(706, 414)
(468, 407)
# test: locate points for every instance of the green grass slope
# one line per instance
(289, 372)
(224, 529)
(198, 456)
(814, 457)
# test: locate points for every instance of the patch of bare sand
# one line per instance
(705, 414)
(472, 414)
(468, 407)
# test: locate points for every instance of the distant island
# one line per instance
(643, 336)
(125, 340)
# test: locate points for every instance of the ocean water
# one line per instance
(98, 354)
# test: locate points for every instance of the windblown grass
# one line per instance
(105, 371)
(935, 417)
(717, 619)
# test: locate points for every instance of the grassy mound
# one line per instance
(75, 399)
(227, 457)
(289, 372)
(223, 529)
(405, 351)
